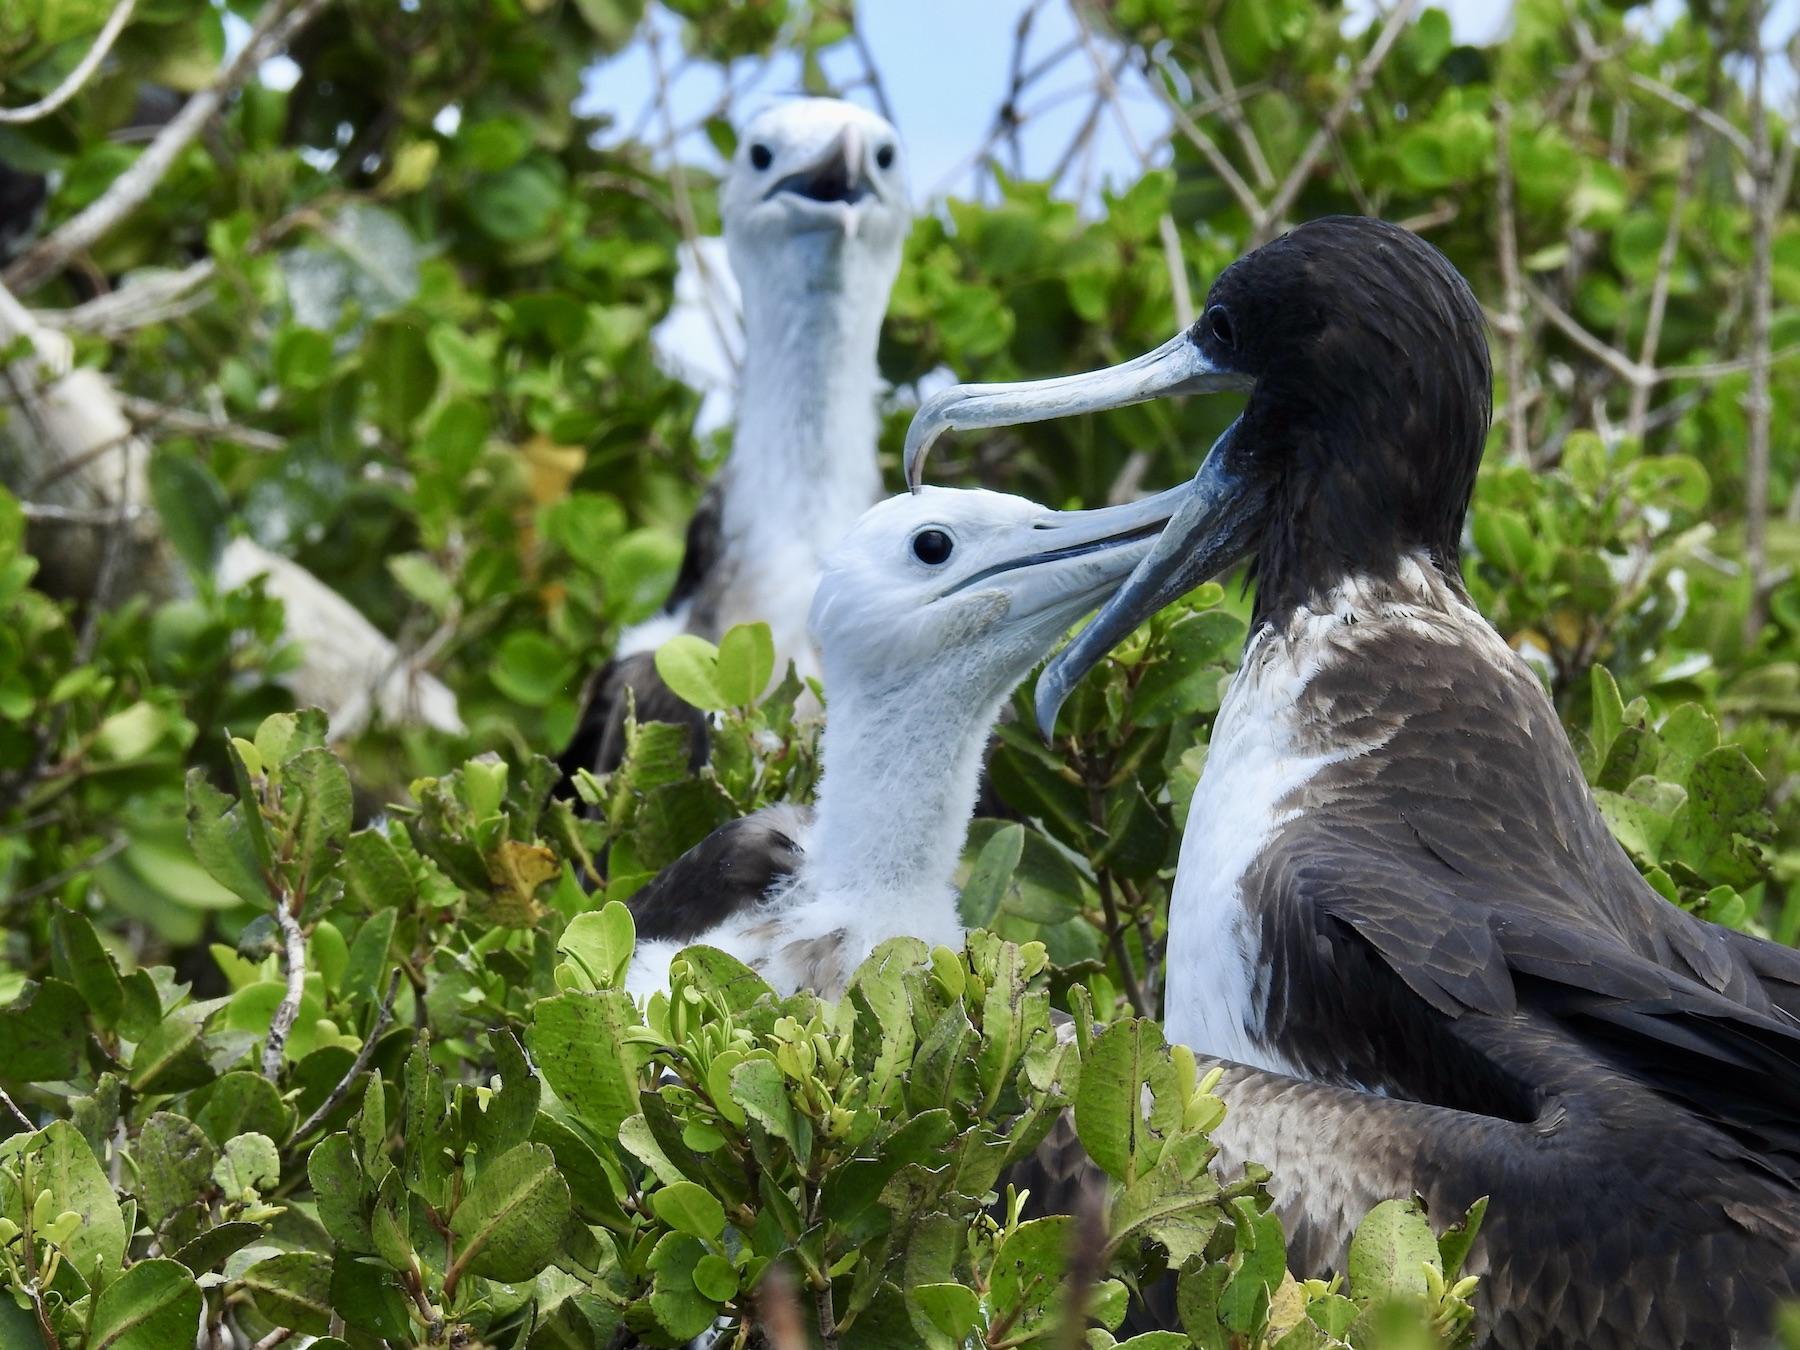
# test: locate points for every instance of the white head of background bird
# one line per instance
(816, 199)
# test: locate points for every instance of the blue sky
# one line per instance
(945, 67)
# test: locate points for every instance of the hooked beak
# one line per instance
(837, 176)
(1216, 521)
(1176, 367)
(1063, 562)
(1213, 521)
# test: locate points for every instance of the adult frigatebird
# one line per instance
(929, 613)
(1399, 916)
(815, 210)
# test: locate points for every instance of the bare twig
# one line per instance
(1764, 207)
(50, 885)
(1610, 357)
(1279, 204)
(1511, 323)
(1637, 414)
(147, 300)
(1233, 111)
(1732, 135)
(275, 27)
(294, 944)
(1216, 158)
(76, 78)
(148, 412)
(12, 1109)
(75, 515)
(276, 1337)
(684, 202)
(1178, 281)
(383, 1017)
(871, 70)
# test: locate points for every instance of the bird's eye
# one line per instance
(885, 157)
(1218, 323)
(760, 158)
(932, 547)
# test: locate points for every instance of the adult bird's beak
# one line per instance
(1215, 517)
(1065, 561)
(1176, 367)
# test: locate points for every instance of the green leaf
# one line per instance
(339, 1192)
(531, 669)
(152, 1306)
(991, 874)
(302, 358)
(953, 1309)
(1025, 1283)
(1109, 1115)
(675, 1299)
(219, 833)
(689, 1208)
(205, 1252)
(249, 1165)
(44, 1031)
(316, 797)
(716, 1278)
(579, 1042)
(1390, 1251)
(758, 1087)
(746, 663)
(193, 509)
(467, 363)
(1457, 1240)
(292, 1290)
(368, 1295)
(171, 1058)
(600, 944)
(510, 1223)
(1260, 1261)
(175, 1161)
(689, 665)
(240, 1103)
(58, 1160)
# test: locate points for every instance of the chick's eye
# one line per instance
(885, 157)
(760, 158)
(1218, 323)
(932, 547)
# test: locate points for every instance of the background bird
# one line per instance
(1399, 914)
(929, 613)
(815, 211)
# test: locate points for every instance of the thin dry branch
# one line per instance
(1638, 413)
(684, 203)
(383, 1017)
(1276, 211)
(1510, 324)
(1758, 405)
(275, 28)
(1233, 111)
(76, 78)
(1216, 158)
(149, 413)
(144, 300)
(293, 943)
(1732, 135)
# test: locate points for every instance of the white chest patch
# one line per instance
(1254, 764)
